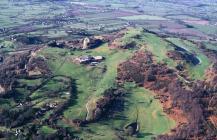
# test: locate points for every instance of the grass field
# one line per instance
(47, 130)
(19, 13)
(33, 82)
(151, 118)
(210, 46)
(198, 71)
(53, 101)
(7, 46)
(143, 17)
(207, 29)
(150, 42)
(54, 91)
(91, 82)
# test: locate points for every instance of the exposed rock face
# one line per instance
(89, 43)
(78, 44)
(86, 42)
(35, 72)
(2, 89)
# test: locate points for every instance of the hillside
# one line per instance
(108, 70)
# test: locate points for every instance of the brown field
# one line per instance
(199, 22)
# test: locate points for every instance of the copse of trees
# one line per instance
(17, 117)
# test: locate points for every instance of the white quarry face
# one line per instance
(86, 42)
(2, 89)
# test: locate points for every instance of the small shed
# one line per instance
(98, 58)
(85, 59)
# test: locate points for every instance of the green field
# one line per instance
(198, 71)
(210, 46)
(151, 118)
(18, 13)
(153, 121)
(65, 93)
(143, 17)
(150, 42)
(7, 46)
(47, 130)
(207, 29)
(91, 82)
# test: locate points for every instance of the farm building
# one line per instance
(89, 59)
(98, 58)
(84, 59)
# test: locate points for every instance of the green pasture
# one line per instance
(151, 118)
(143, 17)
(150, 42)
(47, 130)
(90, 81)
(211, 46)
(198, 71)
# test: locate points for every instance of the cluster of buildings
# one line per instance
(92, 60)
